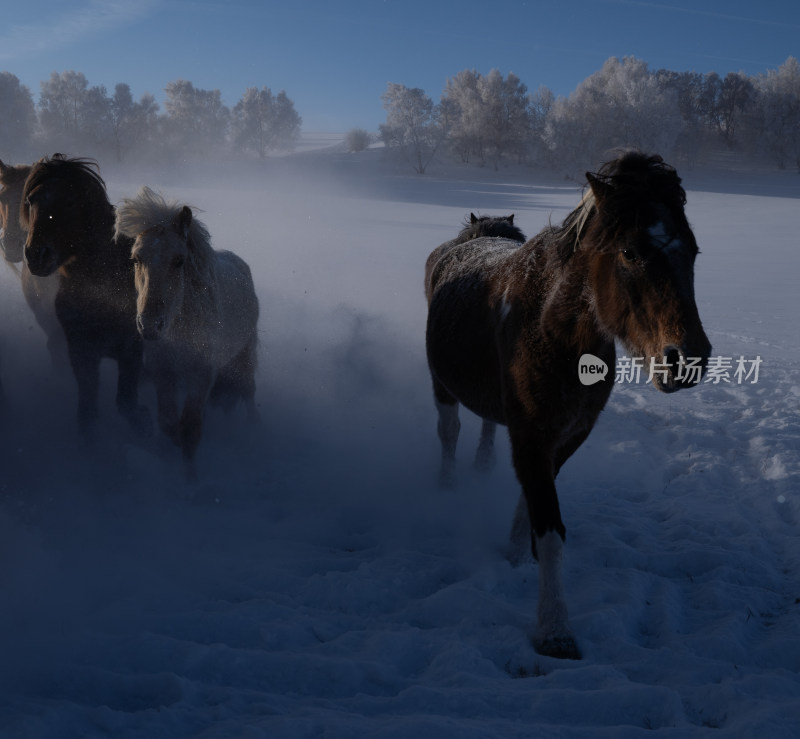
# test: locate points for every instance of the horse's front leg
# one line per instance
(191, 423)
(485, 454)
(86, 368)
(166, 383)
(129, 366)
(533, 462)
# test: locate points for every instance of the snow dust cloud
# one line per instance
(317, 580)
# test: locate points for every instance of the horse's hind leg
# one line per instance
(248, 374)
(448, 428)
(238, 380)
(485, 456)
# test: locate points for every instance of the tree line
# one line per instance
(491, 119)
(73, 116)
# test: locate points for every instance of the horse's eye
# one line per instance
(630, 255)
(177, 263)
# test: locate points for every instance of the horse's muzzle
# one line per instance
(150, 329)
(41, 260)
(680, 368)
(13, 249)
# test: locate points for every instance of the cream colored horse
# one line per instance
(197, 311)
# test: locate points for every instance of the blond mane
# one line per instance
(575, 223)
(150, 209)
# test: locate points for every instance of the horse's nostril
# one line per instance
(672, 355)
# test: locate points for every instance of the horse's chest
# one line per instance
(94, 314)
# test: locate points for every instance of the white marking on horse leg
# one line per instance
(448, 428)
(553, 635)
(484, 456)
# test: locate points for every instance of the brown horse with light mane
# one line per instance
(70, 233)
(508, 325)
(39, 292)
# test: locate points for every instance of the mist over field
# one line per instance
(317, 582)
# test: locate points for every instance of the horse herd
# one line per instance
(508, 320)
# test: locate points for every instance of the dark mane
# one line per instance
(632, 185)
(498, 226)
(81, 176)
(639, 178)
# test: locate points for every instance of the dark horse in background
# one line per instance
(508, 324)
(496, 227)
(70, 224)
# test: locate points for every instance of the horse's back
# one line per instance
(464, 285)
(454, 260)
(238, 303)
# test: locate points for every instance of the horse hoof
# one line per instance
(485, 460)
(447, 479)
(142, 422)
(519, 555)
(560, 647)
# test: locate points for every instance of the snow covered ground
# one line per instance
(318, 583)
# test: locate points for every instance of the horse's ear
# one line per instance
(473, 218)
(511, 219)
(600, 189)
(183, 221)
(3, 167)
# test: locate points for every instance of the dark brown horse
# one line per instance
(39, 292)
(504, 234)
(12, 181)
(70, 224)
(509, 324)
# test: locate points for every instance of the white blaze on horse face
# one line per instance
(662, 240)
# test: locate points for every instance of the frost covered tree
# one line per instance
(17, 114)
(689, 89)
(287, 122)
(356, 139)
(779, 112)
(622, 105)
(261, 121)
(487, 116)
(412, 125)
(196, 119)
(72, 114)
(736, 96)
(133, 123)
(505, 115)
(462, 106)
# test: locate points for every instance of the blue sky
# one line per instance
(334, 59)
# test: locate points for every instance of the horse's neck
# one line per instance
(102, 259)
(568, 314)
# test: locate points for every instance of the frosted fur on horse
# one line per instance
(197, 311)
(508, 322)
